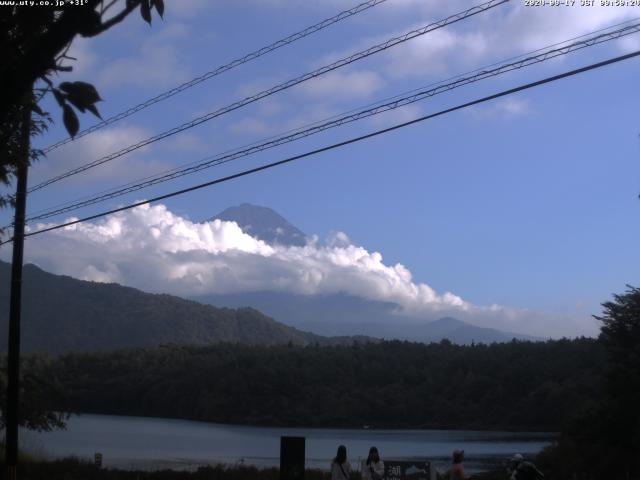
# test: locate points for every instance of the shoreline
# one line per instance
(543, 433)
(148, 443)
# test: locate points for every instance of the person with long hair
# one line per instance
(340, 467)
(373, 467)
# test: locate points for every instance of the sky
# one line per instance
(519, 213)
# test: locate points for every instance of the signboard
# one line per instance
(292, 458)
(407, 470)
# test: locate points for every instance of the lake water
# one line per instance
(155, 443)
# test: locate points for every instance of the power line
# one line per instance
(343, 143)
(318, 122)
(221, 69)
(278, 88)
(339, 121)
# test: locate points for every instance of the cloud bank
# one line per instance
(153, 249)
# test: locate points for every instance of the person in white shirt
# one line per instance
(340, 467)
(373, 467)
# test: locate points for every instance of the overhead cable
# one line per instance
(333, 117)
(278, 88)
(339, 144)
(219, 70)
(340, 120)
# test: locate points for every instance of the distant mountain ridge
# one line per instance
(339, 313)
(263, 223)
(342, 314)
(465, 333)
(63, 314)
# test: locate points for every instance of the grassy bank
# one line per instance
(74, 469)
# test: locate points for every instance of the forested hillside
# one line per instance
(517, 385)
(63, 314)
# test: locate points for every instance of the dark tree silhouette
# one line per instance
(34, 41)
(603, 440)
(37, 390)
(620, 334)
(516, 385)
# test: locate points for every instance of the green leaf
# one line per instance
(85, 93)
(59, 96)
(88, 91)
(66, 87)
(94, 110)
(70, 120)
(159, 4)
(75, 103)
(81, 95)
(145, 11)
(91, 24)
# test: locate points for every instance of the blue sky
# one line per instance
(529, 202)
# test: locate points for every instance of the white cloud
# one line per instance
(269, 107)
(250, 126)
(531, 28)
(85, 58)
(504, 108)
(293, 119)
(186, 143)
(399, 115)
(155, 67)
(629, 44)
(93, 147)
(515, 106)
(155, 250)
(340, 85)
(189, 8)
(497, 34)
(331, 7)
(154, 61)
(435, 54)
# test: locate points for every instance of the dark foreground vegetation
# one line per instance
(519, 385)
(586, 388)
(73, 469)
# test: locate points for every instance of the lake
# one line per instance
(155, 443)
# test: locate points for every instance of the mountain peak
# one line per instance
(263, 223)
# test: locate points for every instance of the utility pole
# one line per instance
(13, 363)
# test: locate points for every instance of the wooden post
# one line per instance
(13, 362)
(292, 456)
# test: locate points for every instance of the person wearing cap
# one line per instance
(520, 469)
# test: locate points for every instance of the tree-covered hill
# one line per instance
(517, 385)
(63, 314)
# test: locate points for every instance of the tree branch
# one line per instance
(114, 20)
(104, 7)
